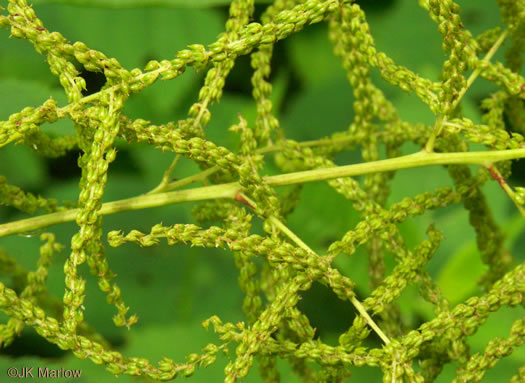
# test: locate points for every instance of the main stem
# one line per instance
(229, 190)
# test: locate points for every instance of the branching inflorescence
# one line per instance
(274, 326)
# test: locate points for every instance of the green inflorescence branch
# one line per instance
(276, 267)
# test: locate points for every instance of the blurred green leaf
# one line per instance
(322, 216)
(319, 111)
(18, 58)
(144, 3)
(22, 167)
(134, 36)
(394, 34)
(458, 278)
(16, 94)
(315, 69)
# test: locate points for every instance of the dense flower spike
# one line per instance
(276, 267)
(240, 13)
(11, 195)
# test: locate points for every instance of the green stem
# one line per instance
(415, 160)
(267, 149)
(229, 190)
(135, 203)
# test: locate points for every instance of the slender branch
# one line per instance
(477, 71)
(436, 131)
(191, 179)
(229, 190)
(166, 176)
(441, 120)
(302, 144)
(506, 188)
(357, 304)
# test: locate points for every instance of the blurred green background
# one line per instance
(173, 289)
